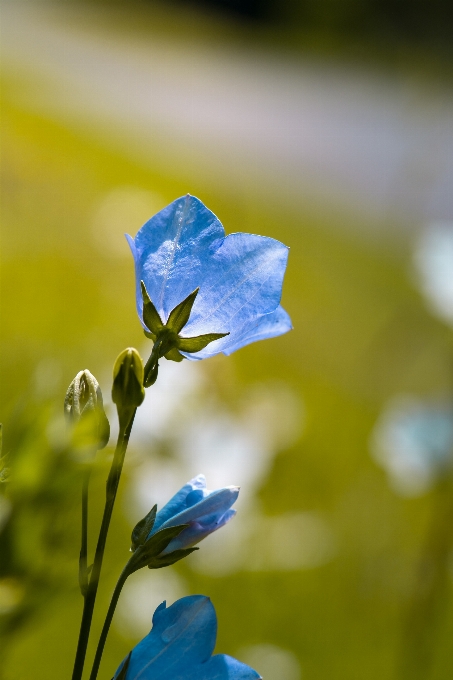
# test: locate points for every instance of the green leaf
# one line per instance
(181, 313)
(123, 672)
(174, 355)
(171, 558)
(199, 342)
(142, 529)
(151, 316)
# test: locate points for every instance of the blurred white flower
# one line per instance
(272, 662)
(434, 264)
(182, 414)
(413, 442)
(287, 542)
(142, 593)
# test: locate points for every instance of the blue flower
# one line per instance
(204, 511)
(235, 281)
(180, 645)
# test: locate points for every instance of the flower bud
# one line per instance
(128, 391)
(84, 401)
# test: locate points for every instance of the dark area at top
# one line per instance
(394, 20)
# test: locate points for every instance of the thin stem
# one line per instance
(83, 559)
(151, 366)
(90, 598)
(108, 620)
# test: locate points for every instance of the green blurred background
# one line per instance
(327, 126)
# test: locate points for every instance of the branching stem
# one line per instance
(90, 597)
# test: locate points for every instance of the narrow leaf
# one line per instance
(142, 530)
(199, 342)
(180, 314)
(151, 316)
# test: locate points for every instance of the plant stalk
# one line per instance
(83, 559)
(108, 620)
(90, 597)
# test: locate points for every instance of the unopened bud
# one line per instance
(84, 401)
(128, 391)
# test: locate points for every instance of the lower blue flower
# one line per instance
(180, 645)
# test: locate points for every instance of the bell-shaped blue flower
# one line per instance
(204, 511)
(239, 280)
(180, 645)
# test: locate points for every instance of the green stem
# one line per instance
(90, 597)
(83, 559)
(152, 365)
(108, 620)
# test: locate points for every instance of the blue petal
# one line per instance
(178, 503)
(170, 252)
(180, 645)
(222, 667)
(182, 638)
(265, 326)
(241, 281)
(216, 503)
(197, 531)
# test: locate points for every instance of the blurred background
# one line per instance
(327, 125)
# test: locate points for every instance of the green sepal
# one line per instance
(174, 355)
(160, 540)
(153, 547)
(171, 558)
(151, 316)
(142, 530)
(123, 672)
(179, 316)
(198, 342)
(167, 341)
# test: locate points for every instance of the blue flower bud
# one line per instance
(202, 510)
